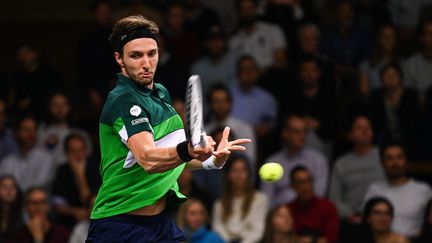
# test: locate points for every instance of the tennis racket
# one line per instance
(194, 112)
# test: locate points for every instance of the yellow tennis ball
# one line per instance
(271, 172)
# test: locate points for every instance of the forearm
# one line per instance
(194, 165)
(157, 160)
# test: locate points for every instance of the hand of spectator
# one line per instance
(225, 147)
(36, 227)
(77, 165)
(80, 214)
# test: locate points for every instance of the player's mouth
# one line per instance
(145, 75)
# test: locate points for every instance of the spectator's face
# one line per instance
(27, 57)
(380, 218)
(2, 115)
(309, 39)
(238, 174)
(303, 185)
(216, 46)
(176, 18)
(27, 133)
(220, 103)
(387, 39)
(309, 73)
(361, 132)
(77, 150)
(247, 10)
(195, 216)
(283, 222)
(37, 204)
(8, 191)
(345, 14)
(391, 79)
(426, 37)
(248, 73)
(139, 61)
(103, 14)
(394, 162)
(59, 107)
(294, 133)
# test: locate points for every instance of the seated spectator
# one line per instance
(426, 231)
(39, 227)
(200, 18)
(394, 108)
(377, 220)
(220, 102)
(293, 154)
(263, 41)
(190, 189)
(74, 182)
(251, 103)
(57, 125)
(279, 226)
(240, 214)
(7, 140)
(218, 65)
(385, 51)
(309, 236)
(79, 232)
(408, 196)
(355, 170)
(310, 211)
(192, 219)
(10, 207)
(30, 165)
(418, 67)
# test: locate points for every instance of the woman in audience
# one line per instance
(240, 214)
(426, 232)
(10, 207)
(192, 219)
(279, 226)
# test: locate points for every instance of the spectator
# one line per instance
(395, 109)
(263, 41)
(10, 207)
(79, 232)
(220, 102)
(7, 141)
(293, 154)
(408, 196)
(217, 66)
(385, 51)
(355, 170)
(192, 219)
(418, 68)
(39, 227)
(57, 126)
(426, 231)
(309, 236)
(377, 220)
(30, 165)
(279, 226)
(310, 211)
(191, 189)
(74, 182)
(251, 103)
(240, 214)
(200, 18)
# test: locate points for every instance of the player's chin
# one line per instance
(145, 81)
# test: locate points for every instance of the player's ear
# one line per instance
(118, 59)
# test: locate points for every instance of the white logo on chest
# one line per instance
(135, 110)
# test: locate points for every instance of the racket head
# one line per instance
(194, 112)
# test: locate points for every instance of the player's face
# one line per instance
(139, 60)
(283, 220)
(380, 218)
(394, 162)
(8, 190)
(361, 132)
(195, 216)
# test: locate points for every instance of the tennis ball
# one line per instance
(271, 172)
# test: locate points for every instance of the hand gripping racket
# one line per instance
(194, 112)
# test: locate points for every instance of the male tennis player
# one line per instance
(143, 146)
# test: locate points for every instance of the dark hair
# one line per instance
(370, 204)
(296, 169)
(70, 137)
(243, 58)
(34, 189)
(15, 209)
(219, 87)
(388, 144)
(23, 118)
(269, 232)
(392, 65)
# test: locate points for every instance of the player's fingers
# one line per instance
(225, 133)
(221, 153)
(237, 148)
(211, 141)
(240, 141)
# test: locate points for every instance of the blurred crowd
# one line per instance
(339, 92)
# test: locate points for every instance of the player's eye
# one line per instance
(135, 55)
(152, 53)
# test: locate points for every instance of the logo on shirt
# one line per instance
(139, 121)
(135, 110)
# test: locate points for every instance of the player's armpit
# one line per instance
(150, 157)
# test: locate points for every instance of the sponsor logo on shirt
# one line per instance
(135, 110)
(139, 121)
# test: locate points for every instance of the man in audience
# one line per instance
(7, 141)
(30, 165)
(355, 170)
(408, 196)
(418, 68)
(293, 154)
(74, 182)
(39, 227)
(264, 41)
(79, 232)
(220, 103)
(310, 211)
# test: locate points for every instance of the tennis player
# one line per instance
(143, 146)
